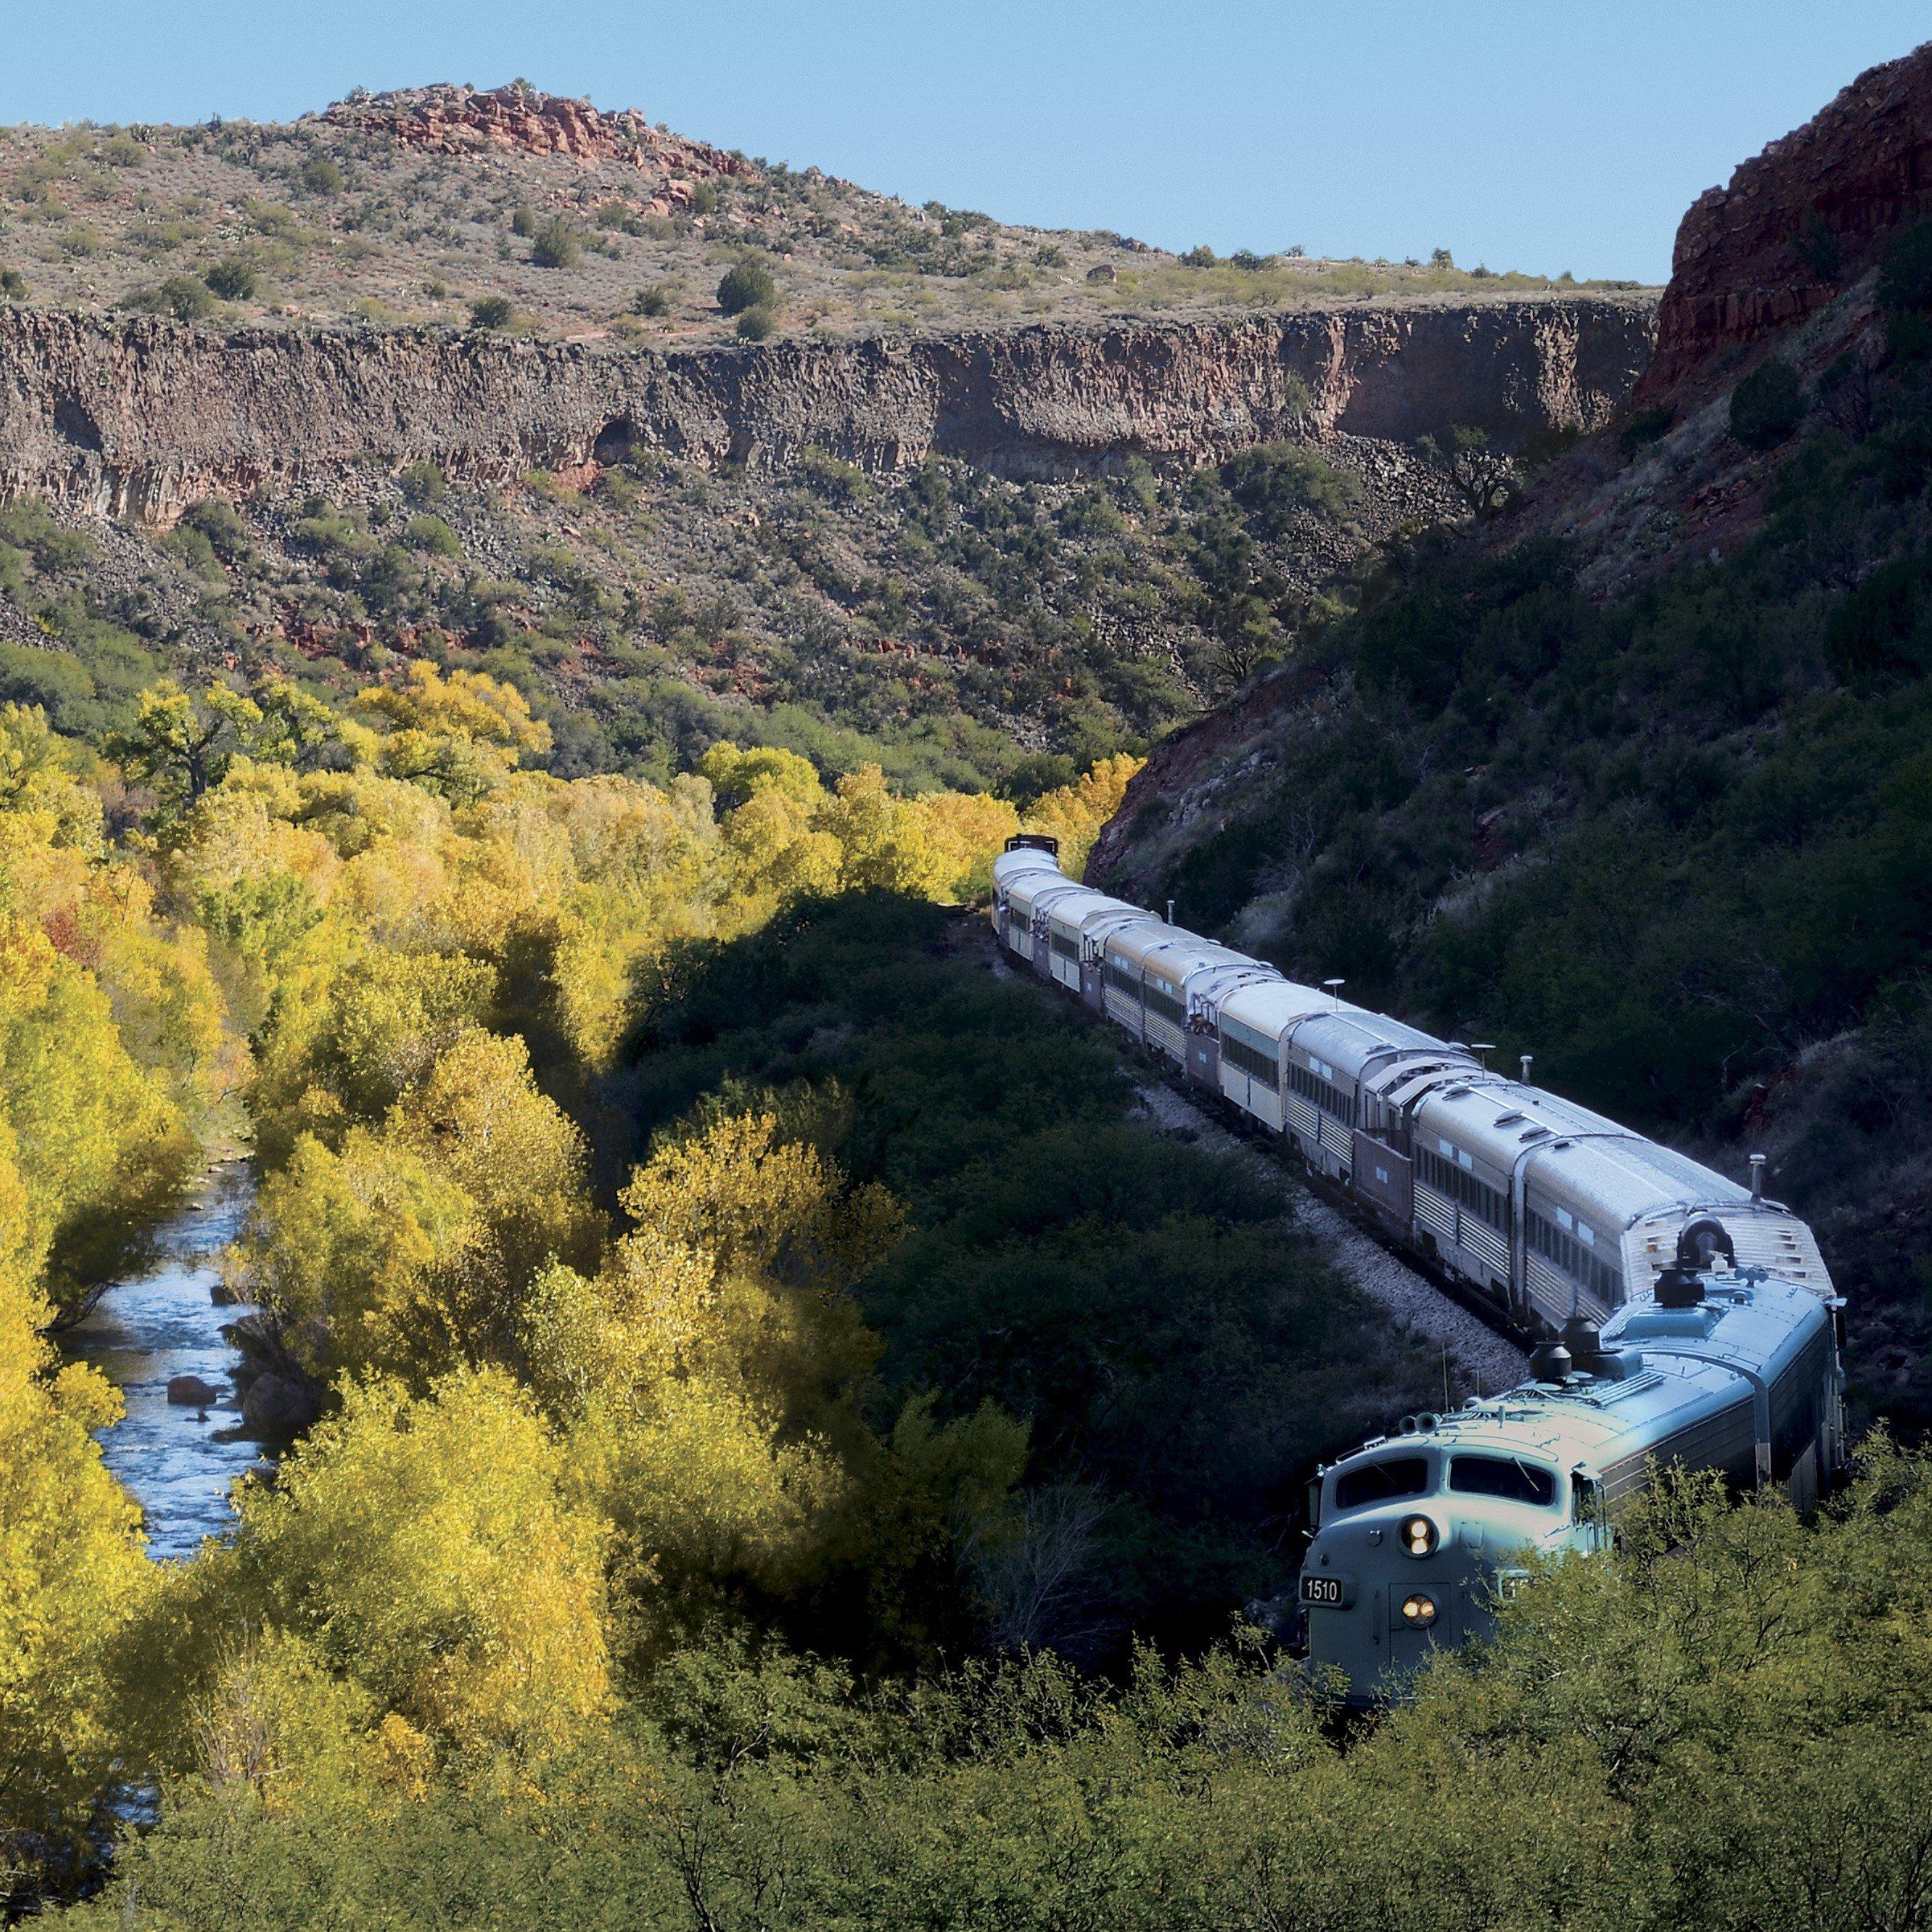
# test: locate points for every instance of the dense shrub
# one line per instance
(422, 484)
(1767, 406)
(756, 325)
(186, 298)
(233, 278)
(1904, 272)
(748, 284)
(556, 244)
(491, 312)
(1646, 426)
(1275, 480)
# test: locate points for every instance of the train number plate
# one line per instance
(1327, 1593)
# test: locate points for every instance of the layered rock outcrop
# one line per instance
(142, 417)
(1800, 223)
(446, 120)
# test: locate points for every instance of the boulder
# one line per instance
(191, 1391)
(277, 1406)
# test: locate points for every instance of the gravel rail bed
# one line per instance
(1486, 1361)
(1481, 1360)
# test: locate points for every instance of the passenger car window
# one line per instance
(1504, 1476)
(1382, 1482)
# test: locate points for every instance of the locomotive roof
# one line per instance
(1693, 1361)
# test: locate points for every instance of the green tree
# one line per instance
(1767, 406)
(182, 742)
(747, 284)
(233, 278)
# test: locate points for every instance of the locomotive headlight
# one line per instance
(1418, 1536)
(1418, 1611)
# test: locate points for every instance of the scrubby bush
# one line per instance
(186, 298)
(12, 285)
(748, 284)
(1904, 271)
(756, 325)
(422, 482)
(221, 524)
(320, 175)
(1646, 426)
(657, 300)
(1767, 406)
(233, 278)
(557, 245)
(433, 536)
(1277, 480)
(491, 312)
(1202, 257)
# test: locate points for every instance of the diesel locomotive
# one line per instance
(1688, 1319)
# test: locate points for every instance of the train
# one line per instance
(1680, 1317)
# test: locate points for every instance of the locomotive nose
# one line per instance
(1382, 1592)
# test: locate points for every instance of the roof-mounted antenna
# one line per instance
(1483, 1049)
(1334, 994)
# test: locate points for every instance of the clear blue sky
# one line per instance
(1539, 135)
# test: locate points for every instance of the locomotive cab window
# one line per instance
(1508, 1477)
(1384, 1482)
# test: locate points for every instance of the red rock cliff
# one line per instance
(514, 120)
(1798, 223)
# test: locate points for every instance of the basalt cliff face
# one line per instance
(1800, 223)
(142, 417)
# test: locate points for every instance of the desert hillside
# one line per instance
(414, 207)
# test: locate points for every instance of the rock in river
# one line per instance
(191, 1391)
(277, 1407)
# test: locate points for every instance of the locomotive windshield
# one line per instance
(1381, 1482)
(1505, 1476)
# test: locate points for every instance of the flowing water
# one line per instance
(162, 1323)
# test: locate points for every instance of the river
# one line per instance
(162, 1323)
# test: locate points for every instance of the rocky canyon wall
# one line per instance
(140, 417)
(1798, 222)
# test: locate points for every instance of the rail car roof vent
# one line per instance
(1507, 1120)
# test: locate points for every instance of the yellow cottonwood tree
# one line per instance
(1074, 813)
(427, 1550)
(72, 1569)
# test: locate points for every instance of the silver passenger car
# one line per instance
(1541, 1205)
